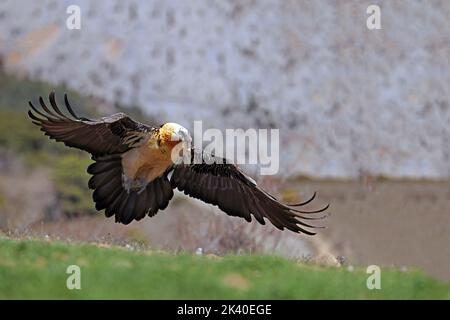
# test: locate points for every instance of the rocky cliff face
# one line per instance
(347, 100)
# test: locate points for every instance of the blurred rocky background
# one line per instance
(356, 108)
(347, 99)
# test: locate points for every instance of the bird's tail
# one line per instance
(125, 203)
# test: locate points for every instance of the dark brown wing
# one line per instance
(226, 186)
(106, 139)
(109, 135)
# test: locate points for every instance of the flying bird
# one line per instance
(133, 173)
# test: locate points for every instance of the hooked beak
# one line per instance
(181, 134)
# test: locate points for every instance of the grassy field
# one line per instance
(36, 269)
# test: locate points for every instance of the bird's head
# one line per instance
(172, 133)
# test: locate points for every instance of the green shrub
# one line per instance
(19, 134)
(71, 181)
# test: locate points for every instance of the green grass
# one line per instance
(31, 269)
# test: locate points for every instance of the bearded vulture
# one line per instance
(133, 173)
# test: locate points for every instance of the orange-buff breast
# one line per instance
(148, 161)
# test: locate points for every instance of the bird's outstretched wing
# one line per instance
(109, 135)
(106, 139)
(225, 185)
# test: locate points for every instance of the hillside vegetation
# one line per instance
(37, 269)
